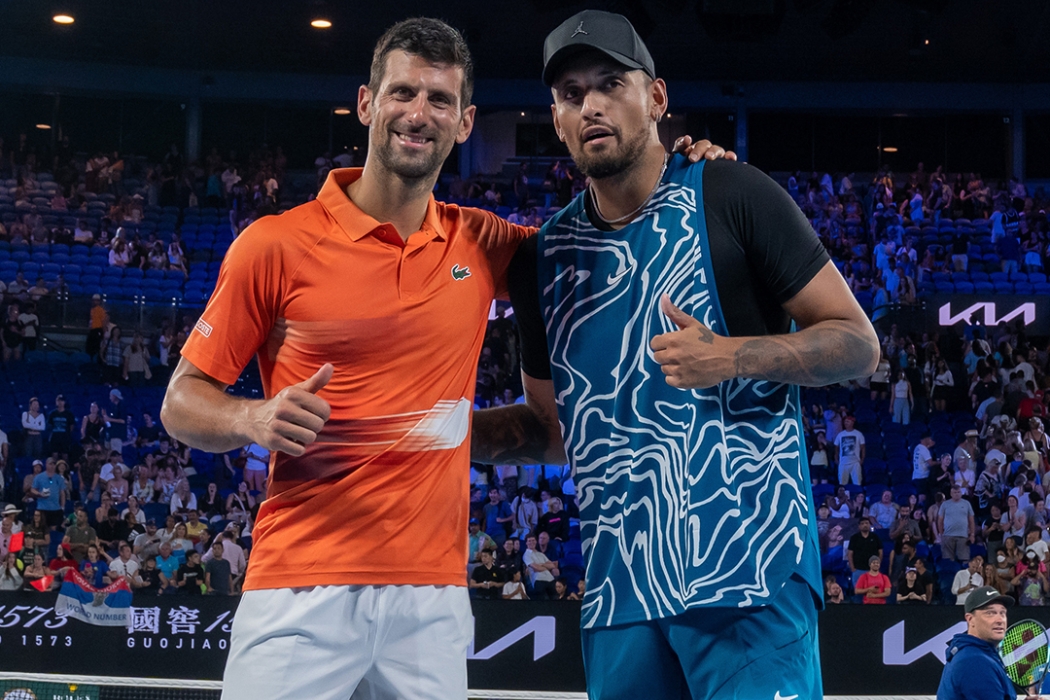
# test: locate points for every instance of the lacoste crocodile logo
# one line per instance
(459, 273)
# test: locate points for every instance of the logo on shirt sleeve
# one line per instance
(459, 273)
(203, 327)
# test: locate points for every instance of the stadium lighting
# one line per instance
(341, 111)
(321, 24)
(890, 149)
(44, 127)
(63, 19)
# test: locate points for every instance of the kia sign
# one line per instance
(959, 310)
(519, 648)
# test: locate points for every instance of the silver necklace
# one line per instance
(631, 215)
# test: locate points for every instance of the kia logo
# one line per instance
(990, 317)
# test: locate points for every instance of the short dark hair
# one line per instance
(864, 520)
(433, 41)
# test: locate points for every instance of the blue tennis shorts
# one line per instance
(759, 653)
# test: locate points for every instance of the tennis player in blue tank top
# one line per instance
(656, 315)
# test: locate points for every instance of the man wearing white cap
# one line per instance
(116, 420)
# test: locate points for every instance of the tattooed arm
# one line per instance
(525, 433)
(836, 343)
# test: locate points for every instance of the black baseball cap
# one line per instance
(610, 33)
(985, 595)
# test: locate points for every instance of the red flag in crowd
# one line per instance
(43, 584)
(17, 541)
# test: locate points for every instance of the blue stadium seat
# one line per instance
(31, 270)
(154, 274)
(998, 277)
(1036, 277)
(1024, 288)
(1004, 288)
(132, 273)
(964, 288)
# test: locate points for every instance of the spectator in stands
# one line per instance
(183, 500)
(33, 425)
(1031, 584)
(498, 516)
(12, 335)
(850, 452)
(965, 479)
(148, 544)
(256, 463)
(99, 320)
(189, 577)
(29, 321)
(863, 545)
(540, 570)
(526, 514)
(922, 461)
(149, 432)
(168, 565)
(833, 594)
(60, 424)
(165, 484)
(903, 399)
(112, 530)
(909, 591)
(514, 589)
(218, 576)
(195, 527)
(136, 371)
(967, 580)
(905, 524)
(177, 256)
(1034, 544)
(49, 489)
(884, 513)
(231, 552)
(941, 477)
(112, 352)
(37, 536)
(137, 514)
(239, 503)
(992, 578)
(119, 256)
(92, 424)
(79, 536)
(925, 579)
(38, 572)
(943, 383)
(181, 544)
(479, 541)
(486, 581)
(11, 573)
(508, 557)
(955, 521)
(872, 584)
(142, 487)
(94, 568)
(118, 487)
(858, 506)
(556, 521)
(115, 415)
(126, 567)
(211, 504)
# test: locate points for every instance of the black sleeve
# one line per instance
(523, 286)
(763, 249)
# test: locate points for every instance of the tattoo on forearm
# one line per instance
(706, 336)
(830, 352)
(508, 435)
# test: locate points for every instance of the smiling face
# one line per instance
(414, 115)
(605, 114)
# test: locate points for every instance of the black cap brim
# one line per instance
(563, 55)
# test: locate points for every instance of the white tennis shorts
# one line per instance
(358, 642)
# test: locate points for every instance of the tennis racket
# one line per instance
(1025, 650)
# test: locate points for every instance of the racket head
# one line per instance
(1025, 652)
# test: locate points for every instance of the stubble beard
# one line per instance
(615, 162)
(408, 168)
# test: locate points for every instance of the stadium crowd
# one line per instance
(928, 474)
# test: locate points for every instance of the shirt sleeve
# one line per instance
(246, 303)
(781, 251)
(523, 285)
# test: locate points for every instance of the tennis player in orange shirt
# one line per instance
(367, 310)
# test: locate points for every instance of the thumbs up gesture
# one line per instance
(292, 419)
(692, 357)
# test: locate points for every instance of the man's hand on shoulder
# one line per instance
(703, 148)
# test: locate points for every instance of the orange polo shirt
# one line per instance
(382, 497)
